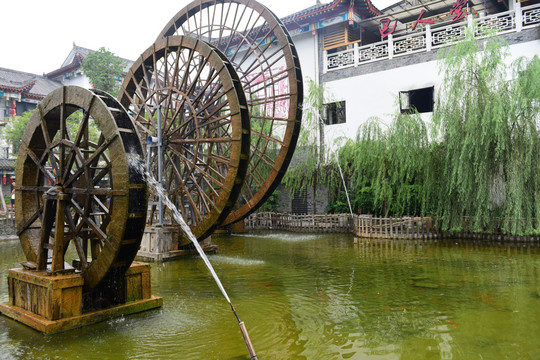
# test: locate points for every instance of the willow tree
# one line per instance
(360, 159)
(311, 166)
(388, 163)
(486, 132)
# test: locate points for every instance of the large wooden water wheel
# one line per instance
(261, 51)
(190, 88)
(80, 184)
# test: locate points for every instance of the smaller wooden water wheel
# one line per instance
(79, 184)
(190, 88)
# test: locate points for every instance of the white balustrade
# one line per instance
(434, 36)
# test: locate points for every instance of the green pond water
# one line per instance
(316, 297)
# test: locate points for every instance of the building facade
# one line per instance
(375, 63)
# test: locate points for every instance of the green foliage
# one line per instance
(73, 124)
(386, 166)
(363, 201)
(337, 207)
(15, 129)
(272, 203)
(486, 135)
(103, 68)
(311, 163)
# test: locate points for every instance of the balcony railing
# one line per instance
(433, 37)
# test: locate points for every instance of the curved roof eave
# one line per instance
(363, 6)
(77, 60)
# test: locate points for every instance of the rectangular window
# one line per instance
(299, 202)
(420, 100)
(334, 113)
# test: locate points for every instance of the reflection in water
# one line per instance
(318, 297)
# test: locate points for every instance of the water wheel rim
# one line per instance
(205, 125)
(105, 208)
(270, 153)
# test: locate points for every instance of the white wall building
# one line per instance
(344, 45)
(366, 57)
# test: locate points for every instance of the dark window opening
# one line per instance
(334, 113)
(299, 202)
(420, 100)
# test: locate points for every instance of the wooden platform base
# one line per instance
(54, 326)
(52, 304)
(165, 244)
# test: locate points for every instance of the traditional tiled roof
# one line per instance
(7, 164)
(12, 80)
(75, 64)
(74, 59)
(363, 7)
(31, 85)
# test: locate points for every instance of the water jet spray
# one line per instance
(160, 191)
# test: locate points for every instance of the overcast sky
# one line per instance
(37, 35)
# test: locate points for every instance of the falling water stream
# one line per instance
(137, 163)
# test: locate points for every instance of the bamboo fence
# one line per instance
(368, 226)
(332, 223)
(359, 225)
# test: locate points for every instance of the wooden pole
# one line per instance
(4, 208)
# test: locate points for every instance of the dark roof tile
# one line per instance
(7, 164)
(19, 81)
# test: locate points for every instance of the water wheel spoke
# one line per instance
(266, 72)
(102, 207)
(199, 141)
(182, 188)
(257, 177)
(49, 175)
(235, 25)
(91, 160)
(192, 165)
(46, 136)
(205, 202)
(76, 240)
(101, 174)
(268, 138)
(175, 173)
(32, 188)
(94, 227)
(192, 203)
(257, 52)
(186, 128)
(245, 34)
(108, 192)
(209, 99)
(258, 155)
(76, 145)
